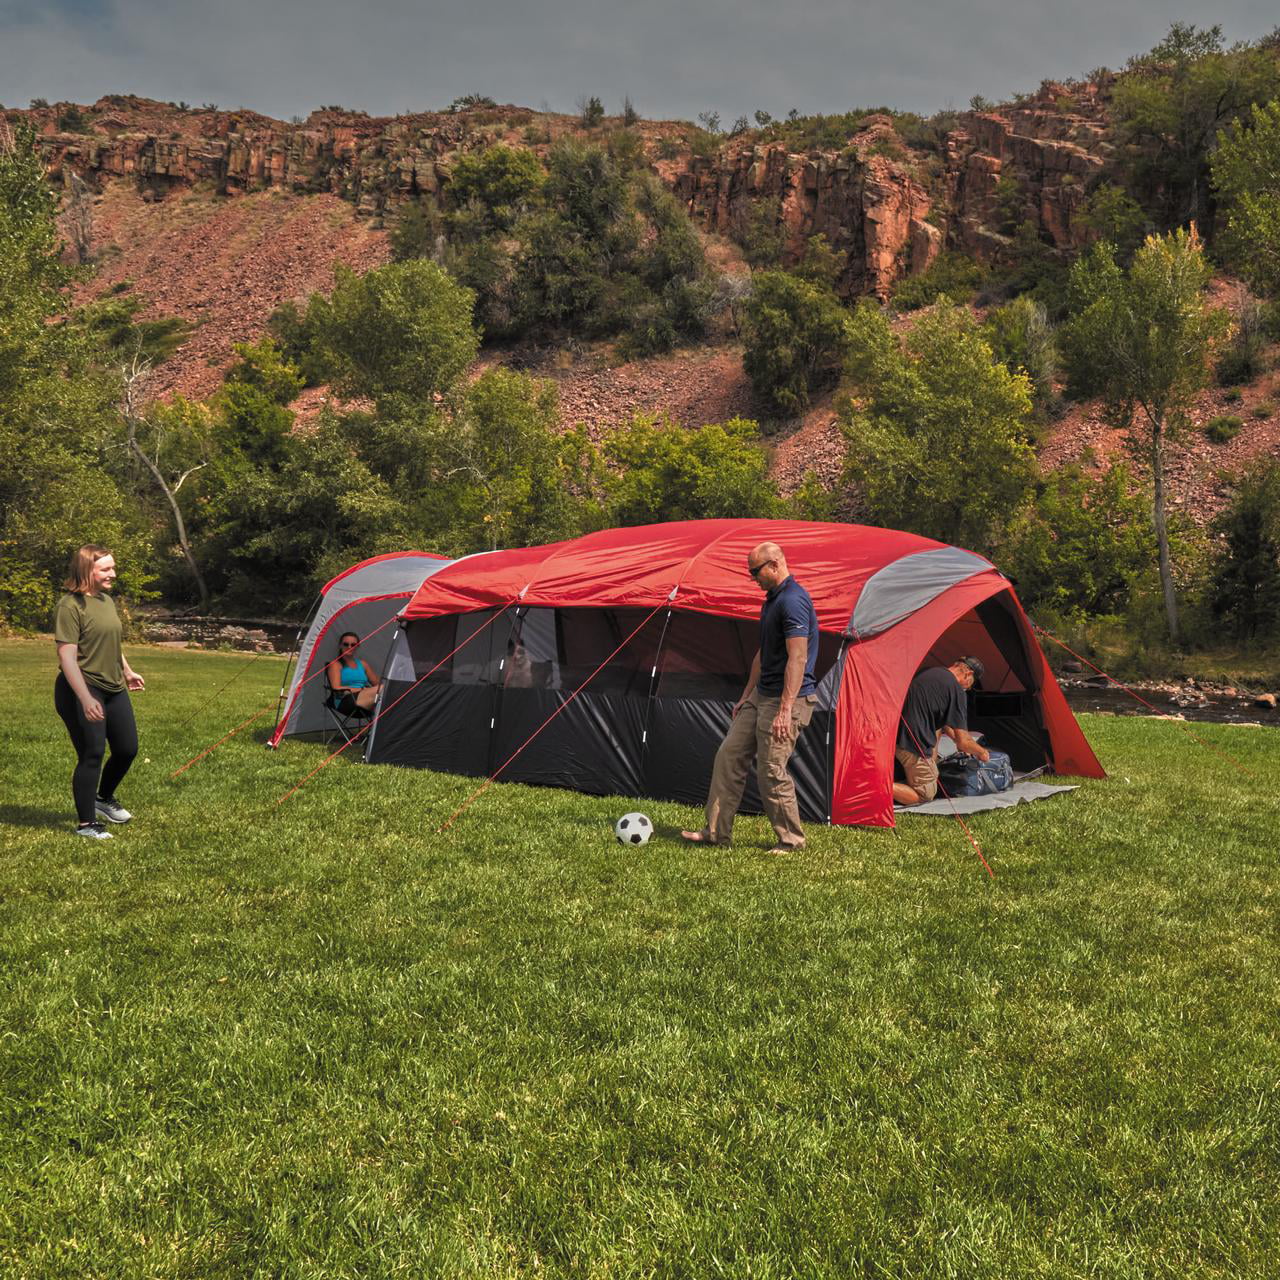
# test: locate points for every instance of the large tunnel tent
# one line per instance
(494, 645)
(365, 599)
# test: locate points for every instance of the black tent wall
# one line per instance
(647, 724)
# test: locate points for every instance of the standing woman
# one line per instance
(91, 691)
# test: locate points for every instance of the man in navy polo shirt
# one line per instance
(776, 704)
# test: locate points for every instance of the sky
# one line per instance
(674, 59)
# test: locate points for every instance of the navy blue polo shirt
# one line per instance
(787, 612)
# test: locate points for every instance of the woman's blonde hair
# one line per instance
(80, 570)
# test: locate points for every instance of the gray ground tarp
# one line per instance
(1020, 793)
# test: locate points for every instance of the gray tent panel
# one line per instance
(365, 600)
(908, 584)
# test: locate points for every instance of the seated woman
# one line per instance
(353, 683)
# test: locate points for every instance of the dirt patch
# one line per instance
(223, 264)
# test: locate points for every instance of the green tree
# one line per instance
(661, 471)
(938, 444)
(1148, 333)
(1112, 214)
(503, 474)
(1171, 104)
(264, 366)
(58, 420)
(404, 330)
(1246, 176)
(1082, 544)
(1246, 578)
(793, 337)
(499, 182)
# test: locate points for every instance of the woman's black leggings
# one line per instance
(90, 739)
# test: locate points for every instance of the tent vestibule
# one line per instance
(365, 599)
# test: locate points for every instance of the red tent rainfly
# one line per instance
(888, 603)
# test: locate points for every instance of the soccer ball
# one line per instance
(633, 828)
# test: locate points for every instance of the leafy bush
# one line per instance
(1223, 428)
(1243, 359)
(597, 246)
(402, 330)
(1021, 337)
(499, 183)
(1082, 544)
(263, 365)
(1112, 214)
(761, 233)
(663, 471)
(114, 322)
(793, 338)
(950, 274)
(1263, 409)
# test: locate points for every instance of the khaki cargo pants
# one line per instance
(749, 738)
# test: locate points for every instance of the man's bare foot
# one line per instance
(696, 837)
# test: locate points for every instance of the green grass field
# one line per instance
(323, 1039)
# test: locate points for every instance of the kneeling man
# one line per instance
(935, 705)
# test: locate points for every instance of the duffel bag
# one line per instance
(965, 775)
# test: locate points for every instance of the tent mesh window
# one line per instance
(630, 730)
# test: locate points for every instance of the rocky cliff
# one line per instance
(888, 208)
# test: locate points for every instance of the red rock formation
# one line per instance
(886, 209)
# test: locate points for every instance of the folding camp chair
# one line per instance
(347, 724)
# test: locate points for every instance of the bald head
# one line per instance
(767, 565)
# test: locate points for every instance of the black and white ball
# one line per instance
(633, 828)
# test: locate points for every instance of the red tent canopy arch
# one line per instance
(494, 644)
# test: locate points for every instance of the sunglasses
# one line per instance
(754, 571)
(348, 644)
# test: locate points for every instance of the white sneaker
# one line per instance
(94, 831)
(111, 809)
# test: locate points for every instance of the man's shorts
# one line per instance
(921, 774)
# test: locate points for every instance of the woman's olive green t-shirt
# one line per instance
(93, 626)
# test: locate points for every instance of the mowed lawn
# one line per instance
(326, 1038)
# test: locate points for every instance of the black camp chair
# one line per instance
(347, 724)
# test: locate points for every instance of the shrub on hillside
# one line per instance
(416, 228)
(402, 330)
(1081, 546)
(950, 274)
(939, 441)
(496, 184)
(1223, 429)
(793, 339)
(1243, 358)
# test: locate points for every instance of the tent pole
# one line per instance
(831, 724)
(500, 686)
(290, 659)
(653, 687)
